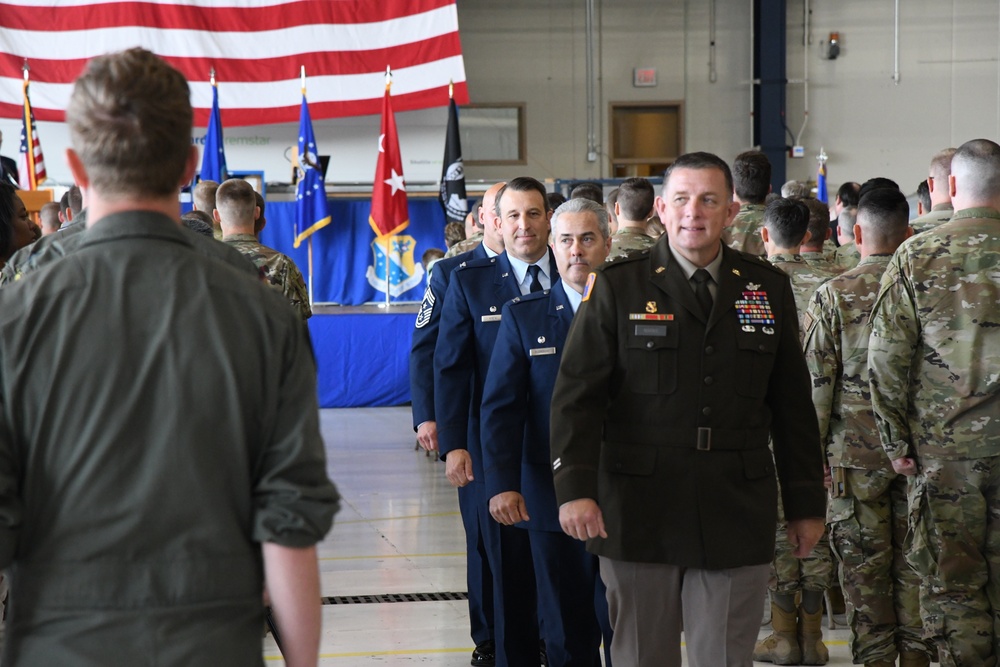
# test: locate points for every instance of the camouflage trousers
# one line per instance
(867, 532)
(954, 524)
(790, 574)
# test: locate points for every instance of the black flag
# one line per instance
(453, 200)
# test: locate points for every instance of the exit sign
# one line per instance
(644, 77)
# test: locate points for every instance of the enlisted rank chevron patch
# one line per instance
(426, 308)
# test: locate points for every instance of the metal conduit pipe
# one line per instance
(591, 103)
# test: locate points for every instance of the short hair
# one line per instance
(581, 205)
(555, 199)
(259, 223)
(49, 214)
(976, 165)
(700, 160)
(609, 205)
(453, 233)
(198, 222)
(591, 191)
(874, 183)
(203, 195)
(751, 177)
(655, 228)
(884, 216)
(787, 221)
(7, 194)
(924, 193)
(797, 189)
(522, 184)
(941, 164)
(635, 198)
(430, 255)
(63, 203)
(846, 220)
(130, 120)
(819, 221)
(848, 194)
(72, 199)
(235, 200)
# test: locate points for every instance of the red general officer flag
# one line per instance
(389, 211)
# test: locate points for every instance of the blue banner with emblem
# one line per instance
(346, 261)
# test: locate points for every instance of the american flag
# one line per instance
(257, 48)
(31, 164)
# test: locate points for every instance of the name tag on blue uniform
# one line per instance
(541, 351)
(490, 318)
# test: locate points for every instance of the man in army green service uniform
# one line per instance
(933, 349)
(633, 204)
(235, 210)
(751, 185)
(660, 453)
(867, 509)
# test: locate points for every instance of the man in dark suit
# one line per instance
(515, 438)
(660, 443)
(8, 168)
(425, 335)
(470, 320)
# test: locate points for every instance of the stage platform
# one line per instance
(362, 354)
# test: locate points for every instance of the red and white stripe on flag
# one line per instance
(31, 162)
(256, 47)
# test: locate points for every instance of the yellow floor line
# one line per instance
(397, 518)
(378, 557)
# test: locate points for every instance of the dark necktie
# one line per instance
(701, 291)
(536, 284)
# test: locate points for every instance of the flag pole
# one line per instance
(309, 247)
(388, 263)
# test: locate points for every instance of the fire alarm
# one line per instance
(833, 46)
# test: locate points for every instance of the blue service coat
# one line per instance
(425, 334)
(516, 398)
(470, 320)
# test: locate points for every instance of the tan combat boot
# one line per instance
(782, 646)
(810, 635)
(914, 659)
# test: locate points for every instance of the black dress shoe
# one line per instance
(485, 655)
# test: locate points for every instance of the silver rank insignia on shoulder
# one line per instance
(749, 328)
(541, 339)
(768, 330)
(753, 287)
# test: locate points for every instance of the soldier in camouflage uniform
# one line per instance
(751, 184)
(937, 186)
(633, 205)
(847, 255)
(867, 511)
(817, 250)
(236, 209)
(797, 637)
(932, 354)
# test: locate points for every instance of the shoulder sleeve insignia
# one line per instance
(426, 309)
(589, 286)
